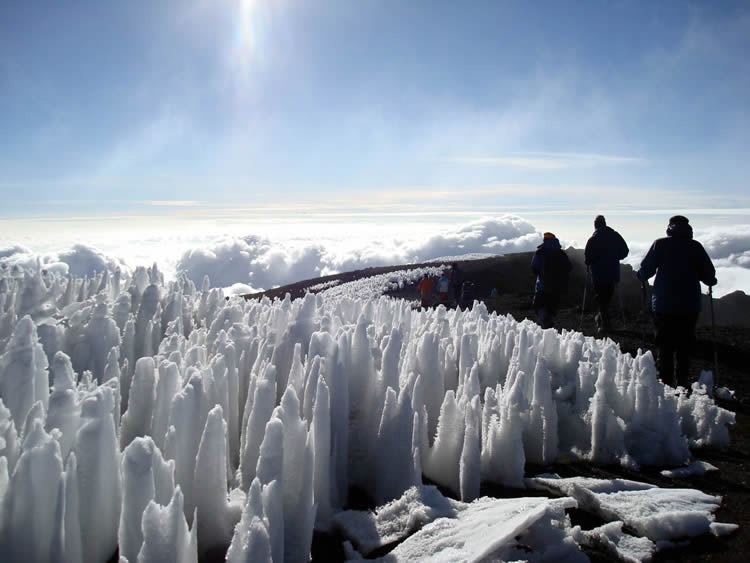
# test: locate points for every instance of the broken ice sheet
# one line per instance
(566, 487)
(521, 528)
(612, 540)
(659, 514)
(531, 528)
(397, 519)
(695, 469)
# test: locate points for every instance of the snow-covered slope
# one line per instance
(170, 421)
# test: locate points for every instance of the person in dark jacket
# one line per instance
(604, 250)
(680, 264)
(457, 281)
(551, 266)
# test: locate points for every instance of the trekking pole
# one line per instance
(713, 336)
(622, 309)
(583, 305)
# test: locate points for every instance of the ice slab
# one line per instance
(612, 540)
(532, 529)
(657, 513)
(397, 519)
(695, 469)
(567, 487)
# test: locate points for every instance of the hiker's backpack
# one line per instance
(555, 270)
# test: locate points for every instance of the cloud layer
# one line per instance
(727, 247)
(80, 260)
(264, 261)
(262, 264)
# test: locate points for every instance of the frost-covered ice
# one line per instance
(397, 519)
(443, 529)
(567, 487)
(465, 257)
(610, 539)
(530, 529)
(375, 286)
(323, 285)
(724, 393)
(659, 514)
(705, 384)
(694, 469)
(139, 404)
(656, 513)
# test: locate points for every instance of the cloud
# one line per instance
(727, 247)
(80, 260)
(274, 257)
(254, 260)
(499, 235)
(13, 250)
(83, 260)
(262, 263)
(548, 160)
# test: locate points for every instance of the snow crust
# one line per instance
(374, 286)
(323, 285)
(656, 513)
(532, 529)
(464, 257)
(230, 423)
(694, 469)
(397, 519)
(612, 540)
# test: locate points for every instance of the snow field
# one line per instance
(168, 421)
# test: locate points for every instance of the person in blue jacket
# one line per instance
(551, 266)
(680, 264)
(604, 250)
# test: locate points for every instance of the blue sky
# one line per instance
(379, 104)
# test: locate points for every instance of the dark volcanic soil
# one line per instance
(512, 277)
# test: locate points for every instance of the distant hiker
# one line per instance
(444, 287)
(552, 267)
(604, 250)
(494, 299)
(467, 295)
(680, 264)
(457, 280)
(425, 287)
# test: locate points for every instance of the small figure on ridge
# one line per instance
(425, 287)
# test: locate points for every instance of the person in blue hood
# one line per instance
(604, 250)
(551, 266)
(680, 264)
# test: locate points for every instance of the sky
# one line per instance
(249, 115)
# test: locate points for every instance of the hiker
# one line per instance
(457, 280)
(551, 266)
(444, 287)
(467, 295)
(680, 264)
(604, 250)
(494, 299)
(425, 290)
